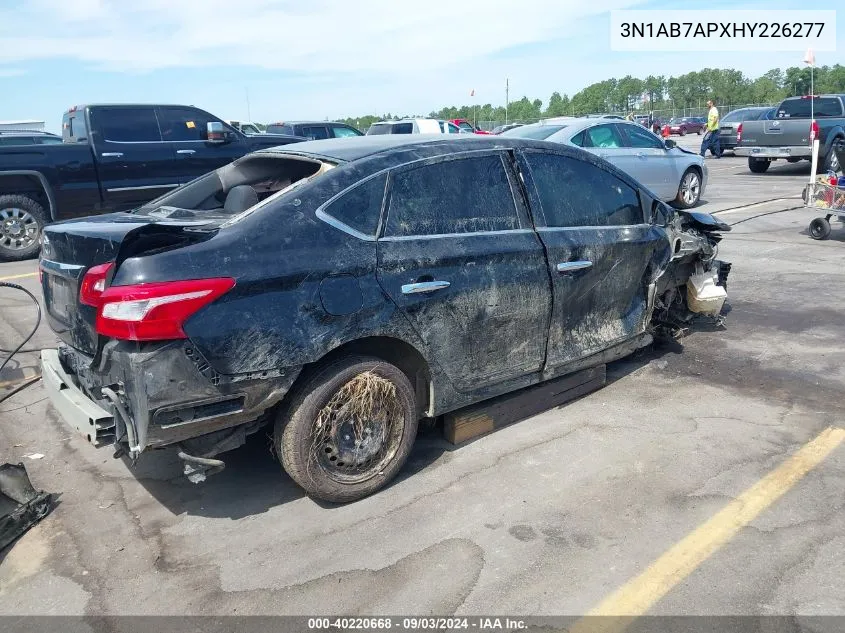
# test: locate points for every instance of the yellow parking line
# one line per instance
(637, 596)
(21, 276)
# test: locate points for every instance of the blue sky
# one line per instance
(328, 58)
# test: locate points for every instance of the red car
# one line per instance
(686, 125)
(467, 126)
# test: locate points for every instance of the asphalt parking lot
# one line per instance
(563, 513)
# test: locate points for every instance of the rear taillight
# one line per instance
(739, 133)
(94, 284)
(156, 311)
(814, 130)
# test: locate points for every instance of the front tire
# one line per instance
(683, 132)
(336, 448)
(22, 219)
(758, 165)
(689, 189)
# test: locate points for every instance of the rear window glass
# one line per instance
(454, 196)
(125, 125)
(800, 108)
(360, 207)
(75, 127)
(280, 129)
(536, 132)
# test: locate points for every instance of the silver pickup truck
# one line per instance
(790, 134)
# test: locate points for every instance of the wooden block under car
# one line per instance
(471, 422)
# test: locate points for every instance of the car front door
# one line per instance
(185, 131)
(650, 162)
(459, 258)
(133, 164)
(601, 253)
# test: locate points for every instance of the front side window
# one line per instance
(455, 196)
(184, 124)
(642, 138)
(465, 126)
(125, 125)
(360, 207)
(341, 131)
(315, 132)
(575, 193)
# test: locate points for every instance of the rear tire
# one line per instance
(320, 458)
(22, 219)
(758, 165)
(699, 132)
(830, 161)
(819, 229)
(683, 132)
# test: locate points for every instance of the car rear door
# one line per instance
(600, 252)
(459, 258)
(185, 133)
(650, 163)
(133, 164)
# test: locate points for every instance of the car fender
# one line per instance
(45, 185)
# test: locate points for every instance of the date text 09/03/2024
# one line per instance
(417, 624)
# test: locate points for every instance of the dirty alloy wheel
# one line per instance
(819, 229)
(348, 429)
(689, 191)
(21, 221)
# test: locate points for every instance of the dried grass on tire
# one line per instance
(367, 397)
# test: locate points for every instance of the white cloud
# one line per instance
(324, 36)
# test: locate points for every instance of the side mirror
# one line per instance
(216, 132)
(661, 213)
(669, 143)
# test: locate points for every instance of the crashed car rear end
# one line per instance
(342, 290)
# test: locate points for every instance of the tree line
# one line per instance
(656, 92)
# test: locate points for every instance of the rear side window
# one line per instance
(341, 131)
(360, 207)
(17, 140)
(280, 129)
(455, 196)
(184, 124)
(315, 132)
(603, 136)
(403, 128)
(800, 108)
(575, 193)
(125, 125)
(379, 128)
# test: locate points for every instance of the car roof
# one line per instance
(345, 150)
(27, 133)
(307, 123)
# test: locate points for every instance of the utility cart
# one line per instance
(826, 195)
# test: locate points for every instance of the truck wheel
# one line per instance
(758, 165)
(819, 229)
(348, 429)
(830, 161)
(689, 190)
(21, 222)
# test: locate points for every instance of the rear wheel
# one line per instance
(699, 131)
(830, 162)
(21, 222)
(689, 191)
(758, 165)
(819, 229)
(683, 132)
(349, 429)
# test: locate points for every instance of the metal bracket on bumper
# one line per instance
(75, 408)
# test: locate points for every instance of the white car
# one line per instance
(414, 126)
(673, 174)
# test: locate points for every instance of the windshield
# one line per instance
(535, 132)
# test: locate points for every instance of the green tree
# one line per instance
(628, 90)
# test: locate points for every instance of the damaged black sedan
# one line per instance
(339, 291)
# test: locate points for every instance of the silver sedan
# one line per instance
(673, 174)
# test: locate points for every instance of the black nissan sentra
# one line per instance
(341, 290)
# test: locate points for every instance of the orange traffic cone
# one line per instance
(666, 132)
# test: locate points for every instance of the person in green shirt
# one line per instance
(711, 139)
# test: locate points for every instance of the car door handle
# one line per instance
(111, 154)
(186, 151)
(566, 267)
(640, 155)
(424, 286)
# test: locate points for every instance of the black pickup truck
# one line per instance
(112, 158)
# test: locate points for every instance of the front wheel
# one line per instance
(699, 132)
(819, 229)
(683, 132)
(21, 220)
(689, 191)
(348, 430)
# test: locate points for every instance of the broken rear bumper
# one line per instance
(147, 396)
